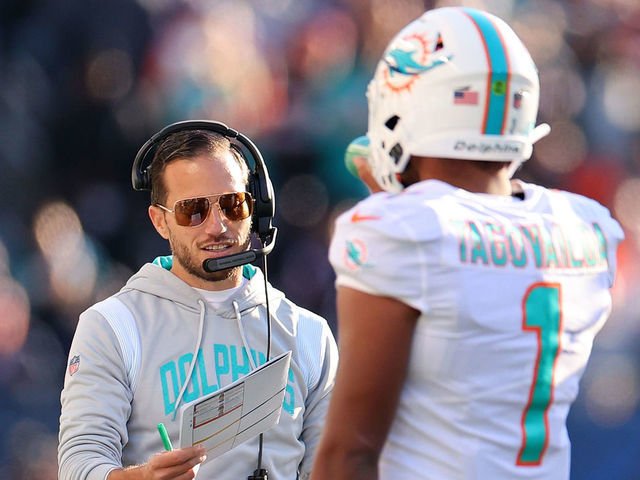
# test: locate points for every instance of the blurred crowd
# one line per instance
(83, 84)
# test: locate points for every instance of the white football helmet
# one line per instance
(454, 83)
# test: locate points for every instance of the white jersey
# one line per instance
(511, 294)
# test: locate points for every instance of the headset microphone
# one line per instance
(211, 265)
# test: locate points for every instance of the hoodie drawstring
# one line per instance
(244, 339)
(193, 361)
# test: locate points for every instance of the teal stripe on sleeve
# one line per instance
(499, 66)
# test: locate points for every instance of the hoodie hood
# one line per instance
(156, 279)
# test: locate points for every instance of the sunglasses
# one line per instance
(192, 212)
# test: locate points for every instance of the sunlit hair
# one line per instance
(189, 144)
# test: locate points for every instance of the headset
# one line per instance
(259, 186)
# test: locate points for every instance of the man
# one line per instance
(183, 327)
(467, 302)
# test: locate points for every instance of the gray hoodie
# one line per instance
(132, 352)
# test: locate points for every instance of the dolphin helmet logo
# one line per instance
(409, 57)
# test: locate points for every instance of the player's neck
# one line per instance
(473, 176)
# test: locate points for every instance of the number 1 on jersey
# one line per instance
(541, 315)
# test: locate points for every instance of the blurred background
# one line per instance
(84, 83)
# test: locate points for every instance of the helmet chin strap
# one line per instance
(539, 132)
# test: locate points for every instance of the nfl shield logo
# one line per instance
(74, 364)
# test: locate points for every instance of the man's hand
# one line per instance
(356, 159)
(364, 173)
(181, 464)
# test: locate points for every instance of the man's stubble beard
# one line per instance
(182, 255)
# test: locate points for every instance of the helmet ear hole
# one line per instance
(392, 122)
(396, 153)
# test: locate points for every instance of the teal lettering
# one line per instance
(516, 242)
(183, 363)
(560, 245)
(289, 396)
(169, 370)
(206, 388)
(261, 358)
(221, 360)
(253, 356)
(478, 249)
(533, 235)
(576, 252)
(576, 262)
(602, 242)
(552, 256)
(462, 239)
(590, 247)
(237, 369)
(495, 234)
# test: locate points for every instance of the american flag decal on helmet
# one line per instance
(74, 364)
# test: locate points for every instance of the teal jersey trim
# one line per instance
(498, 89)
(248, 271)
(166, 262)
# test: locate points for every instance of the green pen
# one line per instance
(165, 437)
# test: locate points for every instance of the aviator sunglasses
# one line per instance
(191, 212)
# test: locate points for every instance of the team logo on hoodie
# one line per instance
(74, 364)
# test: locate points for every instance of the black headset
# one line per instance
(260, 186)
